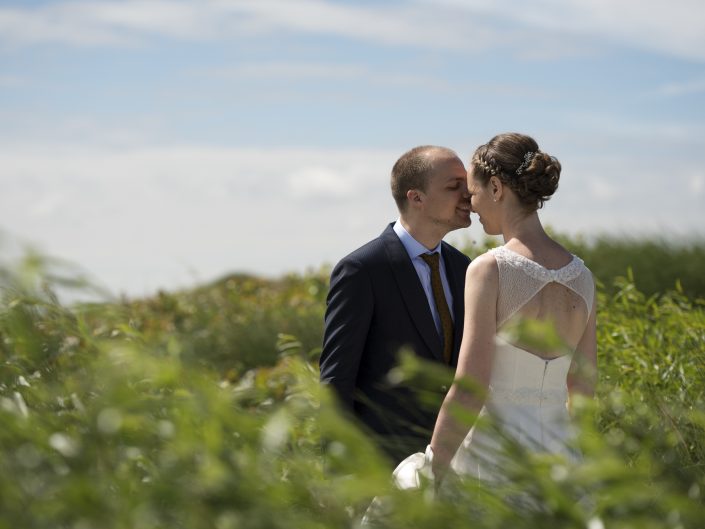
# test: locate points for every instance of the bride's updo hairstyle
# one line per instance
(519, 164)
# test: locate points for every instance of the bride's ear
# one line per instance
(496, 188)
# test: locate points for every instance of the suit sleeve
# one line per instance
(350, 305)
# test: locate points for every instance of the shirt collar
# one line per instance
(413, 247)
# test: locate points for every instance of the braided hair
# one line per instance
(520, 165)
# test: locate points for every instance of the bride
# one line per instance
(523, 387)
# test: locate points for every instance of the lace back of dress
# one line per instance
(520, 279)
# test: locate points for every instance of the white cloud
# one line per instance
(164, 217)
(398, 24)
(674, 27)
(542, 28)
(290, 70)
(602, 190)
(47, 205)
(103, 23)
(644, 131)
(675, 89)
(328, 71)
(318, 183)
(8, 80)
(127, 22)
(77, 126)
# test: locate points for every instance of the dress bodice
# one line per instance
(519, 376)
(520, 279)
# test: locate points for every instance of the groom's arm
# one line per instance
(347, 321)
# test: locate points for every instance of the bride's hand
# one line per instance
(439, 467)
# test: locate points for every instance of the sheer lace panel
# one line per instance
(520, 279)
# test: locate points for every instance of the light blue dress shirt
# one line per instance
(415, 249)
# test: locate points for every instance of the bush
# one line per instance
(230, 325)
(131, 415)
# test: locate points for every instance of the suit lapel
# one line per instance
(412, 292)
(455, 282)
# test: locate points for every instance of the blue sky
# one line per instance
(162, 143)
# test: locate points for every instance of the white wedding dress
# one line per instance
(527, 394)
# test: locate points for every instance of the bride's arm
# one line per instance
(474, 361)
(582, 377)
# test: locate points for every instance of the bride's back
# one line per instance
(558, 291)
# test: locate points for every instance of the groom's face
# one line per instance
(446, 198)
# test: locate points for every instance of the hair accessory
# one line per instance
(527, 160)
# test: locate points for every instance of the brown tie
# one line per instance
(439, 296)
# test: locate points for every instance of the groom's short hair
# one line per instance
(412, 169)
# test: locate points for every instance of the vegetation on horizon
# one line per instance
(657, 264)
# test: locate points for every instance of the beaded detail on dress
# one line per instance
(520, 279)
(537, 271)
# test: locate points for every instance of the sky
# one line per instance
(160, 144)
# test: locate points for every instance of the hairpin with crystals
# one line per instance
(527, 160)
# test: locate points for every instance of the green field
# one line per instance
(202, 409)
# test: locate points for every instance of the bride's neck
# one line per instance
(526, 228)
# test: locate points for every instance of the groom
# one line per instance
(392, 293)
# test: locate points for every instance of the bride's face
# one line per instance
(482, 202)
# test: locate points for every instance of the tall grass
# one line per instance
(656, 264)
(142, 414)
(232, 323)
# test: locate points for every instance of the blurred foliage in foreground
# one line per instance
(147, 414)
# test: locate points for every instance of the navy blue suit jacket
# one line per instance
(375, 307)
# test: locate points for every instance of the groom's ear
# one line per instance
(414, 197)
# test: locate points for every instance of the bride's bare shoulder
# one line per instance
(483, 267)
